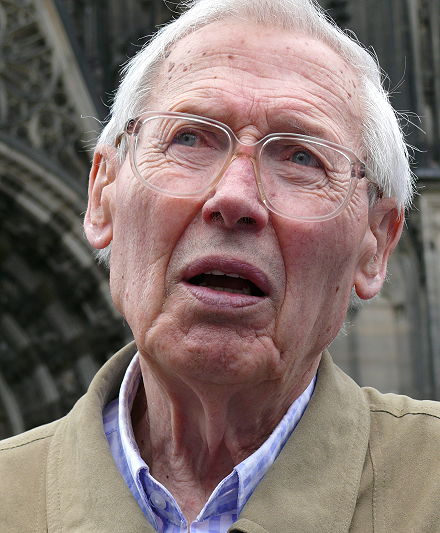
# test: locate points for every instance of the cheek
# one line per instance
(312, 248)
(147, 227)
(320, 261)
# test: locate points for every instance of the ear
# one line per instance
(386, 223)
(98, 222)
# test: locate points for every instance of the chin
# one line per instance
(213, 354)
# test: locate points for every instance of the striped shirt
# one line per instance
(157, 503)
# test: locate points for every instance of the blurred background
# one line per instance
(59, 65)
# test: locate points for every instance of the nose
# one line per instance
(235, 201)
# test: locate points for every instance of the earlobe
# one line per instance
(98, 223)
(386, 223)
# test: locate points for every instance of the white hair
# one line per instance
(386, 153)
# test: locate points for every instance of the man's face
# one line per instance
(258, 81)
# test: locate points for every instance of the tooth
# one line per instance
(220, 273)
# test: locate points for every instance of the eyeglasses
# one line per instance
(298, 177)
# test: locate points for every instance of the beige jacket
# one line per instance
(358, 461)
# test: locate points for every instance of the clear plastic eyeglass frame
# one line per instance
(357, 169)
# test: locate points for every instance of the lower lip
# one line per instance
(222, 299)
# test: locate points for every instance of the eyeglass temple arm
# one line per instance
(129, 128)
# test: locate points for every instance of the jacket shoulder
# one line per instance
(23, 460)
(404, 454)
(399, 406)
(27, 438)
(403, 429)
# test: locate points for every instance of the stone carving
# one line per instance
(34, 106)
(53, 308)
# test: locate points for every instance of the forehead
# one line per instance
(251, 75)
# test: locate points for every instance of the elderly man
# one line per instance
(251, 176)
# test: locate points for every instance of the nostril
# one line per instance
(246, 220)
(217, 217)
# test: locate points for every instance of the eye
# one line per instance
(305, 158)
(188, 138)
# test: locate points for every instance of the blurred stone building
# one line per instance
(59, 63)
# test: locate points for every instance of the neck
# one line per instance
(192, 435)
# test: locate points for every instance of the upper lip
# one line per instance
(228, 266)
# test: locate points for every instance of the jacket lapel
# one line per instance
(85, 492)
(313, 484)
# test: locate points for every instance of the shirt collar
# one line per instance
(238, 486)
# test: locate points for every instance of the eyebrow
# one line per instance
(291, 122)
(293, 125)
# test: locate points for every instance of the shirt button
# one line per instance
(158, 500)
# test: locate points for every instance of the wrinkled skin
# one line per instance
(202, 359)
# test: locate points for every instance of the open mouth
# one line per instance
(226, 282)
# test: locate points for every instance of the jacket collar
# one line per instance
(314, 483)
(312, 486)
(85, 491)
